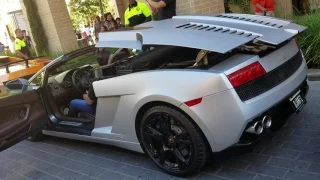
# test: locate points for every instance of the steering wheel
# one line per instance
(81, 81)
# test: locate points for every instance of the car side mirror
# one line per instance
(18, 84)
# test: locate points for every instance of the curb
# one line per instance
(314, 74)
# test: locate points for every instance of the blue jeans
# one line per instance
(79, 105)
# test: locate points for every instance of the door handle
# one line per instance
(22, 113)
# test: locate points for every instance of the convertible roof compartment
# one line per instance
(219, 33)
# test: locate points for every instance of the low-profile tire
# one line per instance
(173, 141)
(39, 136)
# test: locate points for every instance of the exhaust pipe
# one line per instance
(256, 128)
(266, 121)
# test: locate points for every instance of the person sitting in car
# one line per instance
(89, 102)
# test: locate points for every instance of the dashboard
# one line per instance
(61, 85)
(67, 79)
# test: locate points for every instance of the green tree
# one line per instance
(37, 30)
(244, 5)
(84, 11)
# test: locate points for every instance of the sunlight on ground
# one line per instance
(12, 68)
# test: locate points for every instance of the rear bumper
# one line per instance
(279, 113)
(223, 117)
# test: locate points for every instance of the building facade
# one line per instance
(182, 7)
(11, 18)
(60, 33)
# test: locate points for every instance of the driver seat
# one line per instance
(120, 54)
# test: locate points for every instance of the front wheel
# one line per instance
(172, 141)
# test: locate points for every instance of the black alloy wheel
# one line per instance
(172, 141)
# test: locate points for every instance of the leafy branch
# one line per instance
(85, 11)
(244, 5)
(37, 30)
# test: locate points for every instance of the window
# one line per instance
(3, 91)
(88, 58)
(37, 81)
(82, 60)
(15, 86)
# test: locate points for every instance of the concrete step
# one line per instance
(314, 74)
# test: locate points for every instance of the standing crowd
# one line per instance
(106, 23)
(137, 13)
(141, 12)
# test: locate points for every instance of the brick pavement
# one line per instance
(291, 153)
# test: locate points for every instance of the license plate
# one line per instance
(297, 101)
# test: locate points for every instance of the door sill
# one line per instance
(119, 143)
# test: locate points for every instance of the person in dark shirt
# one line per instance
(88, 104)
(27, 39)
(166, 8)
(78, 35)
(120, 25)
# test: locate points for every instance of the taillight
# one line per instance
(193, 102)
(246, 74)
(297, 43)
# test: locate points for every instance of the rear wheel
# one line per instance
(172, 141)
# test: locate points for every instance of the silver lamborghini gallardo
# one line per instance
(177, 90)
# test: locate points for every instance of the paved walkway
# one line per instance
(291, 153)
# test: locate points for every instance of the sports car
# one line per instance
(198, 85)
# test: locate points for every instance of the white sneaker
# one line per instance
(64, 110)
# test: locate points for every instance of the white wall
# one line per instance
(16, 19)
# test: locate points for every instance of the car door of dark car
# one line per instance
(21, 114)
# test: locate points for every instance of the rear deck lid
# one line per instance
(218, 33)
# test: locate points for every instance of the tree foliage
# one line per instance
(37, 30)
(244, 5)
(83, 12)
(310, 40)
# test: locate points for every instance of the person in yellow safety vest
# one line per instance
(137, 13)
(21, 46)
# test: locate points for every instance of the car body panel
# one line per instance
(224, 124)
(203, 31)
(105, 140)
(208, 82)
(275, 95)
(21, 115)
(127, 94)
(269, 62)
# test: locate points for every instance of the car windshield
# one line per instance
(87, 59)
(79, 61)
